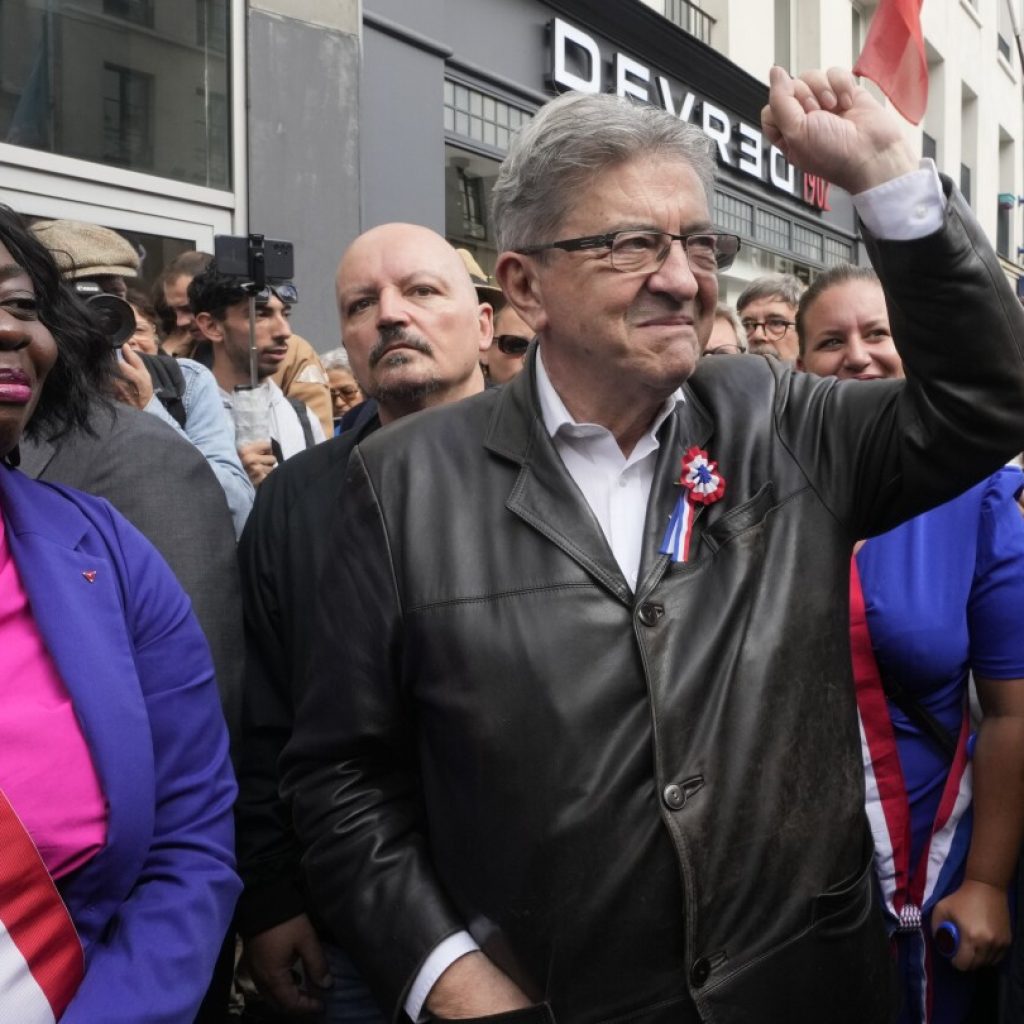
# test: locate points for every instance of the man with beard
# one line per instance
(221, 306)
(414, 331)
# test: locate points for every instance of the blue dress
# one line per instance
(944, 597)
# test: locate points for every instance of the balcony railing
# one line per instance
(691, 18)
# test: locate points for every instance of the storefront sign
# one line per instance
(576, 64)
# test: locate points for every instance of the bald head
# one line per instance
(410, 319)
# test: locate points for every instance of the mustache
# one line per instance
(395, 337)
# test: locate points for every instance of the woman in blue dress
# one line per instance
(933, 603)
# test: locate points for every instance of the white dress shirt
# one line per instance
(617, 487)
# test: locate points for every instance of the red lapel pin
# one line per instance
(90, 575)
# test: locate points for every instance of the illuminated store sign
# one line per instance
(576, 64)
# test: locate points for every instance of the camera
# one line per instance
(116, 318)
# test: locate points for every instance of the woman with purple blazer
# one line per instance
(117, 880)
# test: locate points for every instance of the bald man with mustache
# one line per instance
(414, 331)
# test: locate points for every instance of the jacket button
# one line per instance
(700, 972)
(674, 797)
(650, 613)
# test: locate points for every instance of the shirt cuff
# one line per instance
(443, 956)
(908, 207)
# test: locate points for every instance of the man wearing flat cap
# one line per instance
(162, 385)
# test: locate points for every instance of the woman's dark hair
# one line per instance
(84, 369)
(839, 274)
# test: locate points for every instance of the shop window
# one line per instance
(139, 12)
(772, 229)
(72, 84)
(837, 251)
(807, 243)
(734, 215)
(127, 117)
(481, 118)
(965, 182)
(212, 24)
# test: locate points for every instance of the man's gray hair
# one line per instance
(784, 287)
(335, 359)
(569, 142)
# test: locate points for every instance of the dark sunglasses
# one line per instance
(285, 291)
(512, 344)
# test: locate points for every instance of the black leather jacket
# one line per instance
(646, 807)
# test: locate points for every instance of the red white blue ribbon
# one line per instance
(41, 961)
(701, 484)
(908, 893)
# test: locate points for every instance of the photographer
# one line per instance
(181, 392)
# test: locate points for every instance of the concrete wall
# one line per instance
(303, 145)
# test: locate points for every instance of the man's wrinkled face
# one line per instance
(645, 329)
(412, 324)
(771, 322)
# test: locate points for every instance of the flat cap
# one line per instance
(487, 289)
(87, 250)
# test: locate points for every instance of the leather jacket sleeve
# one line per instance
(881, 452)
(350, 767)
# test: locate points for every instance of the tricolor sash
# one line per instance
(41, 959)
(909, 893)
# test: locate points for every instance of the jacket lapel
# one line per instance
(544, 495)
(688, 425)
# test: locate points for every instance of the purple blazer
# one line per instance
(153, 906)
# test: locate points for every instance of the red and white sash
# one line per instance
(41, 959)
(908, 893)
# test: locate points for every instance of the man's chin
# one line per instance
(403, 388)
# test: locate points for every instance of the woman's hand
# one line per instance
(136, 385)
(981, 912)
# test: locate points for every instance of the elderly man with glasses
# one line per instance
(591, 753)
(767, 311)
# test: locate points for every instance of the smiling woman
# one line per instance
(115, 785)
(932, 602)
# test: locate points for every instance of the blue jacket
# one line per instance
(153, 906)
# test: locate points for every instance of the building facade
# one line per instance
(175, 122)
(311, 120)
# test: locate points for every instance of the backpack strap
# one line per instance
(168, 383)
(303, 414)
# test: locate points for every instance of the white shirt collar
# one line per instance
(558, 419)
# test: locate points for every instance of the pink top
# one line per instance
(46, 770)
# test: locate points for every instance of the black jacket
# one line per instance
(648, 805)
(280, 555)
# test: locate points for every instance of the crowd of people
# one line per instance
(520, 658)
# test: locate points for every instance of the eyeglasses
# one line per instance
(774, 327)
(285, 291)
(643, 252)
(512, 344)
(346, 391)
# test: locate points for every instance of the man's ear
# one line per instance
(519, 280)
(212, 329)
(485, 318)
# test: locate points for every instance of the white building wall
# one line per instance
(975, 108)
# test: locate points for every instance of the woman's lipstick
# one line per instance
(15, 387)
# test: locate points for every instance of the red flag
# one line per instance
(893, 57)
